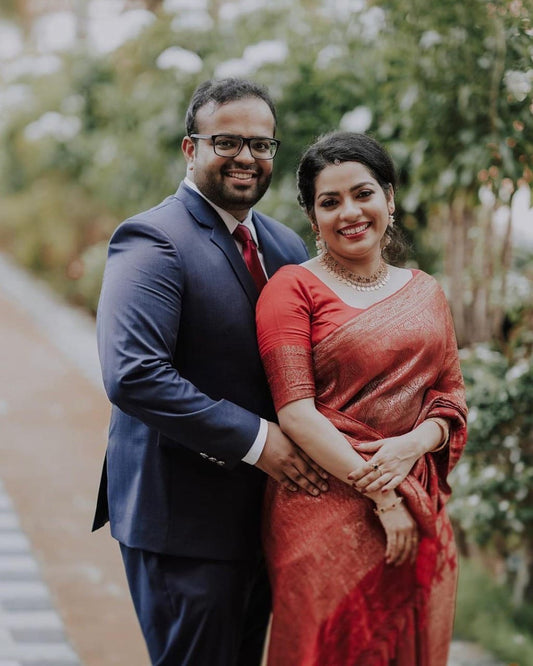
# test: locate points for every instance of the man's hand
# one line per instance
(289, 465)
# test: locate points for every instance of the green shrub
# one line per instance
(484, 614)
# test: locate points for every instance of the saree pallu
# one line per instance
(378, 374)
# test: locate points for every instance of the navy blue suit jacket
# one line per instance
(177, 344)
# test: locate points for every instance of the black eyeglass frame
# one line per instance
(275, 143)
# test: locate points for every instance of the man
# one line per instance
(192, 422)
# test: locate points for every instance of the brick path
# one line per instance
(63, 595)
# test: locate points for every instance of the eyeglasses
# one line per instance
(230, 145)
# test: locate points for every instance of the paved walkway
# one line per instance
(63, 596)
(31, 631)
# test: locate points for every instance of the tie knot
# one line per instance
(242, 233)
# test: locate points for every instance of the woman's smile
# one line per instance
(354, 230)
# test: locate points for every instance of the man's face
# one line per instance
(233, 183)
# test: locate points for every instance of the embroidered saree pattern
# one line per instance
(374, 373)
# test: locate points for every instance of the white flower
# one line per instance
(255, 55)
(346, 8)
(55, 31)
(462, 473)
(486, 196)
(106, 152)
(510, 441)
(489, 472)
(267, 51)
(31, 66)
(107, 31)
(412, 199)
(522, 492)
(55, 125)
(16, 96)
(372, 22)
(327, 55)
(518, 83)
(446, 179)
(177, 58)
(357, 120)
(409, 98)
(515, 456)
(175, 5)
(11, 43)
(197, 20)
(516, 525)
(231, 11)
(501, 217)
(429, 39)
(521, 368)
(232, 67)
(483, 353)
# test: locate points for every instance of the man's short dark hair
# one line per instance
(222, 91)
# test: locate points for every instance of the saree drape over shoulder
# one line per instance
(374, 373)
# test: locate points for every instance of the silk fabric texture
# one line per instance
(374, 373)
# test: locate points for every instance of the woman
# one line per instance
(362, 362)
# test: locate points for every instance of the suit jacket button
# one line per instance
(212, 459)
(204, 455)
(220, 462)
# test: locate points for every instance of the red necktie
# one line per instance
(250, 255)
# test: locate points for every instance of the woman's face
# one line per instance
(351, 210)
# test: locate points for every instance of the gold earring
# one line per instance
(319, 243)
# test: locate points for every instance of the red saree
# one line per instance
(374, 373)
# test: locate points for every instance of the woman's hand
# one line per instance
(402, 534)
(392, 461)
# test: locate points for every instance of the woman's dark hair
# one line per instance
(221, 92)
(337, 147)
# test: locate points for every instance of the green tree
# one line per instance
(456, 105)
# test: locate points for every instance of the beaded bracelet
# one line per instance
(383, 509)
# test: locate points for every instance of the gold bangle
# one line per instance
(383, 509)
(445, 433)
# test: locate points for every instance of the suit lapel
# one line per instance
(223, 239)
(206, 216)
(270, 248)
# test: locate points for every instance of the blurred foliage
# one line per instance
(485, 614)
(493, 484)
(434, 81)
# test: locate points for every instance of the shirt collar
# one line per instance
(228, 219)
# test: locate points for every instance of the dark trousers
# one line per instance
(199, 612)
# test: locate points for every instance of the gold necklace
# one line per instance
(358, 282)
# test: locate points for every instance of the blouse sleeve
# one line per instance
(283, 318)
